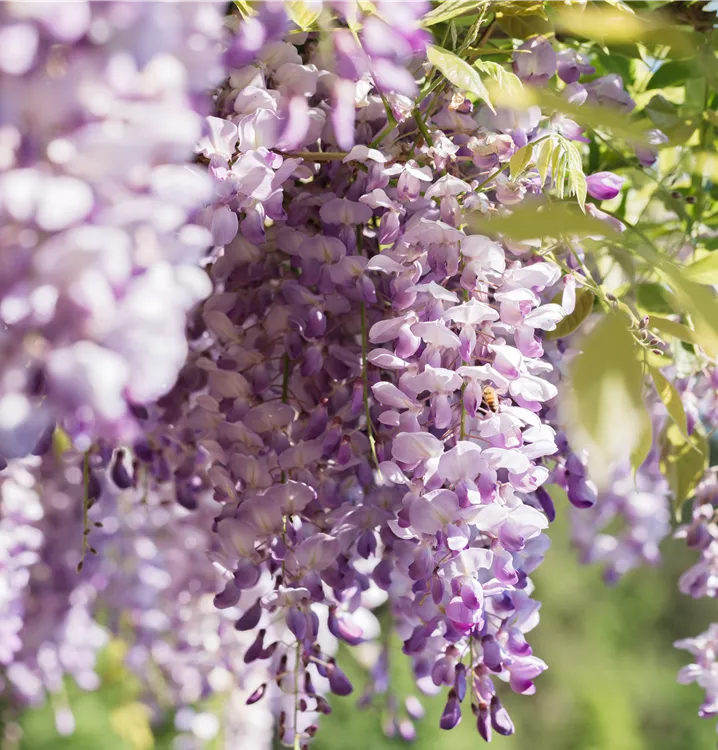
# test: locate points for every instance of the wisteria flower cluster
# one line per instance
(271, 382)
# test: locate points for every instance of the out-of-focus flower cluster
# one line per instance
(101, 105)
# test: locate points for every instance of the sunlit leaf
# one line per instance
(683, 463)
(644, 443)
(449, 9)
(553, 220)
(520, 160)
(621, 5)
(523, 26)
(61, 443)
(584, 305)
(458, 72)
(615, 25)
(520, 8)
(131, 722)
(703, 271)
(576, 177)
(700, 303)
(603, 405)
(507, 80)
(671, 399)
(544, 158)
(672, 328)
(244, 8)
(303, 14)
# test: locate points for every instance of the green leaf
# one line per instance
(449, 9)
(671, 400)
(672, 328)
(244, 8)
(544, 158)
(700, 303)
(131, 722)
(607, 25)
(654, 298)
(523, 26)
(603, 407)
(552, 220)
(645, 442)
(584, 305)
(683, 463)
(303, 14)
(61, 443)
(458, 72)
(674, 73)
(576, 177)
(505, 79)
(703, 271)
(520, 8)
(520, 160)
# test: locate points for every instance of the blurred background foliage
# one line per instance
(610, 684)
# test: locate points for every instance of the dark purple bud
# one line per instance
(186, 496)
(344, 454)
(250, 618)
(580, 492)
(161, 468)
(452, 712)
(228, 597)
(296, 622)
(546, 504)
(254, 651)
(416, 641)
(317, 423)
(246, 576)
(366, 544)
(139, 411)
(317, 324)
(575, 466)
(143, 451)
(500, 719)
(382, 574)
(268, 652)
(118, 473)
(323, 706)
(44, 443)
(492, 653)
(357, 404)
(338, 682)
(483, 723)
(3, 464)
(257, 695)
(312, 625)
(460, 681)
(94, 488)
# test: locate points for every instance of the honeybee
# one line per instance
(490, 398)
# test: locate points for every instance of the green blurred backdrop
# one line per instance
(610, 683)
